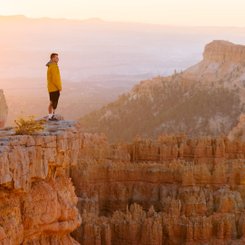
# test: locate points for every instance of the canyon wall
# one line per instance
(65, 186)
(37, 198)
(3, 109)
(173, 190)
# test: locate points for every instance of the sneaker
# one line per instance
(53, 118)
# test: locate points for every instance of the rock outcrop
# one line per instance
(64, 186)
(37, 198)
(3, 109)
(205, 99)
(174, 190)
(223, 51)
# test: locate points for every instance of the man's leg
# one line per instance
(50, 108)
(54, 106)
(54, 97)
(55, 101)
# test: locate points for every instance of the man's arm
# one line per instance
(55, 77)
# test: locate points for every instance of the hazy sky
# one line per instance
(170, 12)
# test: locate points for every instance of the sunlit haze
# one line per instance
(167, 12)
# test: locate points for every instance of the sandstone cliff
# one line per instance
(223, 51)
(206, 99)
(3, 109)
(37, 198)
(174, 190)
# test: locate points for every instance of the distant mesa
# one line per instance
(224, 51)
(23, 17)
(3, 109)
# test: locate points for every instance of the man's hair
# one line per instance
(52, 55)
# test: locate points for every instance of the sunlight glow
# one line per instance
(167, 12)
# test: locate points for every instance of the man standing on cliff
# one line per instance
(54, 85)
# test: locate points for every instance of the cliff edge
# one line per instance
(38, 202)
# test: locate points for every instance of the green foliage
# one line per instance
(28, 126)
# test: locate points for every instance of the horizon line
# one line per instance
(98, 19)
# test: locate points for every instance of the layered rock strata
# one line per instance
(224, 51)
(37, 198)
(173, 190)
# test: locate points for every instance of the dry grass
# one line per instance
(28, 126)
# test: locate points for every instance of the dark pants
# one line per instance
(54, 98)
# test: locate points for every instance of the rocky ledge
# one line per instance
(38, 202)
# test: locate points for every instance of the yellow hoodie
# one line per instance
(53, 77)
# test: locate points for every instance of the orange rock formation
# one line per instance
(173, 190)
(224, 51)
(37, 198)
